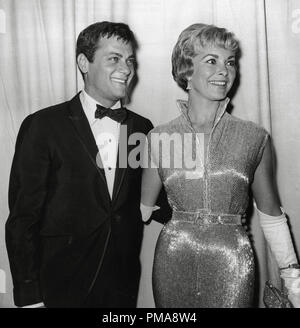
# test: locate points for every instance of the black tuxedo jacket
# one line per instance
(63, 229)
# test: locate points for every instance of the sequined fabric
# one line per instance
(275, 298)
(203, 257)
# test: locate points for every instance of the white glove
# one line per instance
(277, 234)
(291, 278)
(147, 211)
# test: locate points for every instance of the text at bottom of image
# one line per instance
(150, 317)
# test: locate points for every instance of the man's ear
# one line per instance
(83, 63)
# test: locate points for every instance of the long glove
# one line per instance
(277, 234)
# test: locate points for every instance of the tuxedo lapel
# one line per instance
(123, 154)
(85, 135)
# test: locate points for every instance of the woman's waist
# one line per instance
(201, 216)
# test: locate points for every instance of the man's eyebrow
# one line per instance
(119, 55)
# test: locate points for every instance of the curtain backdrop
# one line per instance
(38, 69)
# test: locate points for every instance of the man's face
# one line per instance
(111, 72)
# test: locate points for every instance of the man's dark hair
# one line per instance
(87, 42)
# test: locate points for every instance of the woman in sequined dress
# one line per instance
(207, 159)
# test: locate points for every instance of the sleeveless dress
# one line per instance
(203, 257)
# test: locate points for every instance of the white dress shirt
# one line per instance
(106, 133)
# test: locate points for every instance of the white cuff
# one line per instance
(291, 279)
(31, 306)
(147, 211)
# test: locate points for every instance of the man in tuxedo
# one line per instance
(74, 231)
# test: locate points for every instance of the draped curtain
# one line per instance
(38, 69)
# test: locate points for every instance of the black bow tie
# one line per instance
(118, 115)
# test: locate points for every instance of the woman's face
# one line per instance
(214, 73)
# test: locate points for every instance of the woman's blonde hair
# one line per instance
(188, 43)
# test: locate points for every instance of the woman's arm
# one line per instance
(264, 190)
(272, 219)
(151, 186)
(274, 225)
